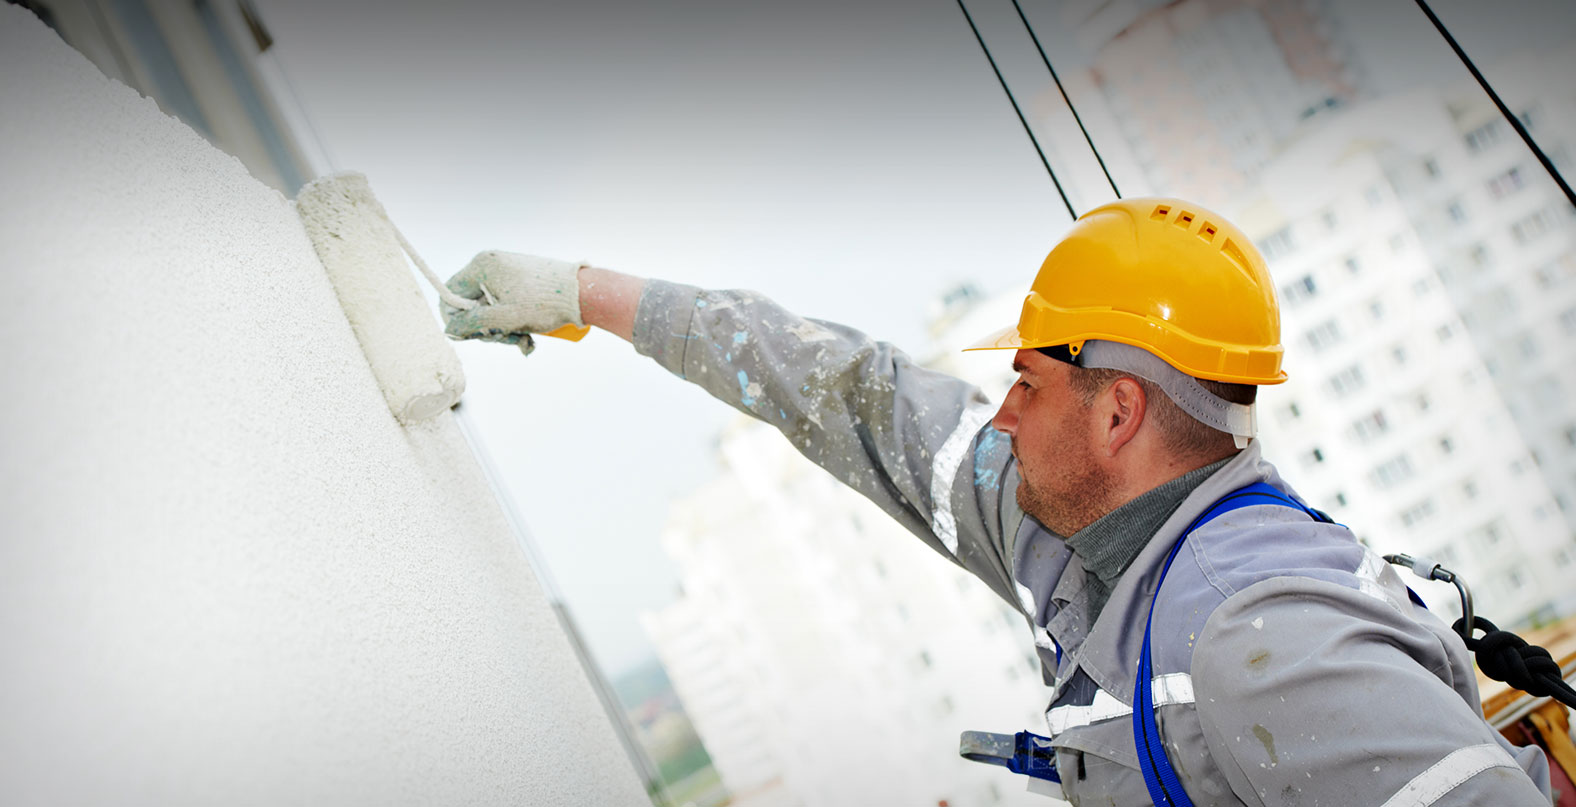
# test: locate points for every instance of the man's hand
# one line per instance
(518, 294)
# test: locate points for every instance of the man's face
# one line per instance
(1054, 438)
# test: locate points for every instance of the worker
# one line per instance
(1286, 662)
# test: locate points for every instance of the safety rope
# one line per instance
(1014, 102)
(1069, 101)
(1504, 656)
(1515, 122)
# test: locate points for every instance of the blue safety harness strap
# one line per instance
(1165, 789)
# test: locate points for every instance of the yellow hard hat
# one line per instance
(1164, 275)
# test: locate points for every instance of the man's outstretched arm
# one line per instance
(916, 442)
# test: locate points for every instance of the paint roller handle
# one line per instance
(512, 296)
(570, 333)
(469, 297)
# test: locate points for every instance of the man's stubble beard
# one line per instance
(1071, 501)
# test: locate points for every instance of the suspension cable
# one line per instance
(1014, 102)
(1515, 122)
(1063, 90)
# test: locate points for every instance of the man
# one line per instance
(1286, 663)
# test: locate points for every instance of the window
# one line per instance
(1298, 290)
(1329, 219)
(1352, 264)
(1446, 556)
(1530, 116)
(1312, 458)
(1376, 309)
(1340, 499)
(1479, 256)
(1277, 244)
(1431, 167)
(1393, 471)
(1418, 513)
(1486, 135)
(1563, 557)
(1507, 183)
(1469, 489)
(1347, 381)
(1371, 426)
(1446, 445)
(1554, 273)
(1444, 332)
(1457, 213)
(1527, 346)
(1324, 335)
(1535, 225)
(1398, 353)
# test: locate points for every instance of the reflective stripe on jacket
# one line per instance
(1290, 666)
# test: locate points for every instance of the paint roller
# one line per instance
(360, 249)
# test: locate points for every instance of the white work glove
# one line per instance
(519, 295)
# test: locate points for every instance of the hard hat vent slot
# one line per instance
(1161, 211)
(1207, 231)
(1234, 252)
(1185, 219)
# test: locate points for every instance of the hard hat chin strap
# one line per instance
(1235, 419)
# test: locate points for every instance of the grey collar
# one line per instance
(1108, 546)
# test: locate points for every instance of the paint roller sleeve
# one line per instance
(414, 365)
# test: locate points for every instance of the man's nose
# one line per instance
(1006, 419)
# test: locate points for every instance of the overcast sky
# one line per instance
(852, 160)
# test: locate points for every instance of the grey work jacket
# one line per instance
(1290, 666)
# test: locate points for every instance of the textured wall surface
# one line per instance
(226, 574)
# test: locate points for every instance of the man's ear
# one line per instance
(1127, 404)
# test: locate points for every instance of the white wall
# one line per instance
(226, 574)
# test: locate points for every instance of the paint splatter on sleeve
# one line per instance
(916, 442)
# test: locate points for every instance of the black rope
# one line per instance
(1515, 122)
(1504, 656)
(1063, 91)
(1014, 102)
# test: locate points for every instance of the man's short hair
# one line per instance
(1180, 433)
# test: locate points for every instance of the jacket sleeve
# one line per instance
(916, 442)
(1310, 692)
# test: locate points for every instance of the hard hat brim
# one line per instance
(1007, 338)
